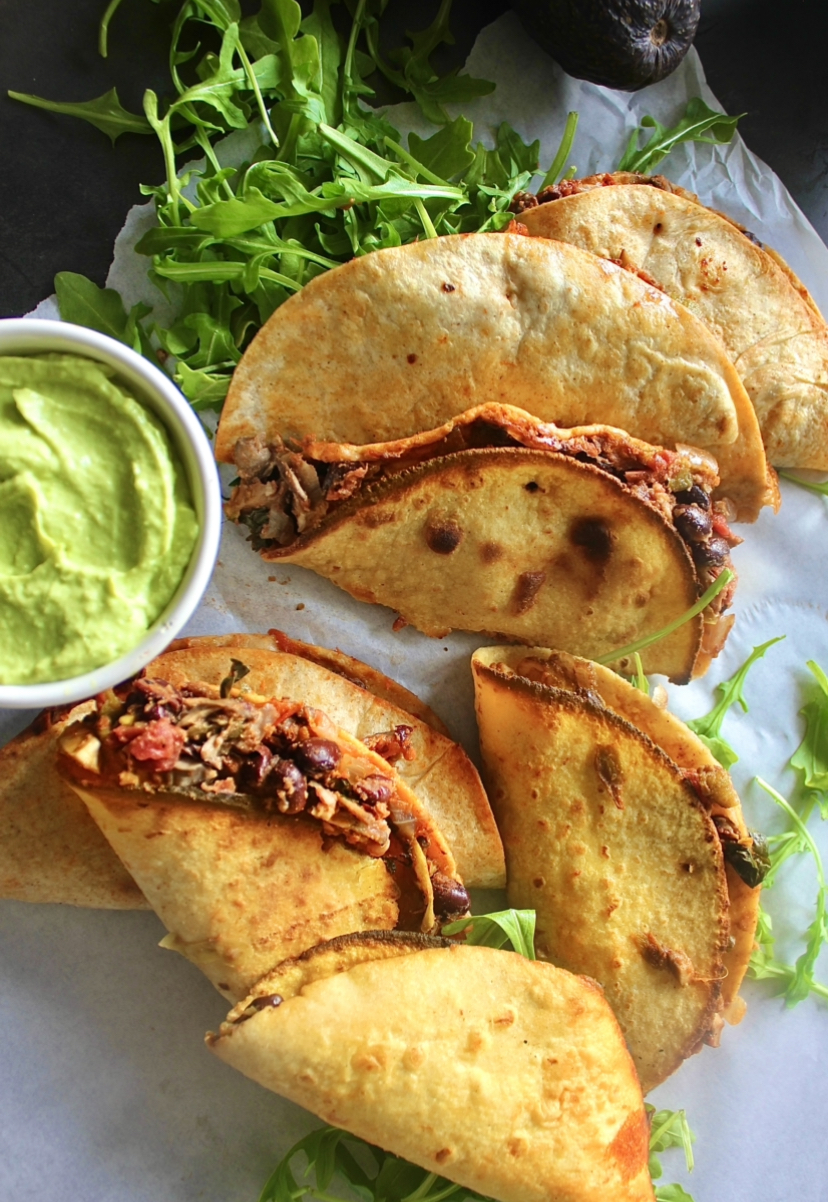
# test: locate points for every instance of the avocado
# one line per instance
(623, 44)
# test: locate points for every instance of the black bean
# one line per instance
(695, 495)
(692, 522)
(317, 755)
(256, 767)
(289, 785)
(262, 1003)
(711, 554)
(449, 896)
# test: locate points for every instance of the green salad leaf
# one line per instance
(515, 927)
(106, 113)
(811, 757)
(329, 1164)
(731, 692)
(817, 486)
(798, 980)
(102, 309)
(698, 121)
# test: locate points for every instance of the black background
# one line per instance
(65, 191)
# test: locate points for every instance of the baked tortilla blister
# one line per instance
(506, 1075)
(614, 818)
(584, 538)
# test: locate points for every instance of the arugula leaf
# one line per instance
(106, 113)
(698, 119)
(84, 303)
(721, 582)
(640, 679)
(330, 1167)
(562, 154)
(516, 927)
(797, 979)
(820, 487)
(708, 728)
(811, 757)
(669, 1129)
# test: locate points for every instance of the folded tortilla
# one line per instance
(768, 322)
(404, 339)
(52, 851)
(255, 828)
(584, 538)
(50, 848)
(503, 1074)
(614, 818)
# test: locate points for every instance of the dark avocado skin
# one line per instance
(623, 44)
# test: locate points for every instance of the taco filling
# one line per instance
(270, 756)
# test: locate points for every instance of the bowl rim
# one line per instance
(32, 335)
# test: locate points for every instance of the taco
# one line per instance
(627, 837)
(747, 295)
(404, 339)
(52, 851)
(255, 827)
(506, 1075)
(582, 538)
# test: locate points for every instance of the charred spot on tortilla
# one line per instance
(527, 588)
(594, 537)
(443, 536)
(412, 358)
(608, 767)
(449, 287)
(657, 955)
(491, 552)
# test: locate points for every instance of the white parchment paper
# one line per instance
(105, 1089)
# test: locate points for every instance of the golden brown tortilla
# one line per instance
(506, 1075)
(695, 760)
(402, 339)
(50, 849)
(616, 852)
(528, 544)
(770, 326)
(354, 670)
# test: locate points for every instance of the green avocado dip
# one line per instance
(96, 519)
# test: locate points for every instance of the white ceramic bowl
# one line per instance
(29, 336)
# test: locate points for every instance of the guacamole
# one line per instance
(96, 519)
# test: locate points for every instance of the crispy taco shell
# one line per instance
(255, 828)
(403, 339)
(611, 844)
(769, 324)
(696, 762)
(526, 543)
(505, 1075)
(52, 851)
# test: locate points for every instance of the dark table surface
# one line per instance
(64, 190)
